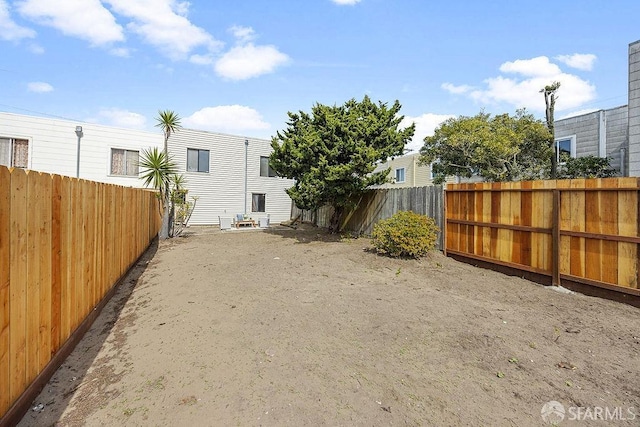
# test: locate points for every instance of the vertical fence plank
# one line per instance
(565, 225)
(56, 265)
(66, 237)
(44, 267)
(526, 212)
(627, 226)
(34, 250)
(593, 224)
(578, 223)
(609, 225)
(5, 290)
(18, 288)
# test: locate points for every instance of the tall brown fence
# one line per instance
(582, 231)
(382, 203)
(64, 243)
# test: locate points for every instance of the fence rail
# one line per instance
(383, 203)
(64, 243)
(585, 231)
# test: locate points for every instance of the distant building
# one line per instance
(212, 163)
(406, 172)
(614, 132)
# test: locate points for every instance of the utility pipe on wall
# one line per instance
(246, 172)
(79, 134)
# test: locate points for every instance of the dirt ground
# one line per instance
(298, 328)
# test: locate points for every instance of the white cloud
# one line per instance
(206, 59)
(581, 61)
(456, 90)
(164, 24)
(425, 126)
(523, 89)
(346, 2)
(9, 30)
(247, 61)
(534, 67)
(243, 34)
(226, 118)
(86, 19)
(39, 87)
(121, 118)
(122, 52)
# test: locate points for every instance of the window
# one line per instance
(14, 152)
(124, 162)
(265, 169)
(399, 175)
(565, 148)
(197, 160)
(258, 202)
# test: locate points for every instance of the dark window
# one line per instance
(265, 169)
(197, 160)
(258, 201)
(400, 175)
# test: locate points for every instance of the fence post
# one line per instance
(555, 240)
(444, 220)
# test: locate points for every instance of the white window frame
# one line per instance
(12, 151)
(124, 175)
(198, 170)
(404, 175)
(572, 147)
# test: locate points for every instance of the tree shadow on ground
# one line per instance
(69, 379)
(305, 233)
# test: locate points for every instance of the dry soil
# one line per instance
(297, 327)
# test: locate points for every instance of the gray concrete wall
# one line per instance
(634, 109)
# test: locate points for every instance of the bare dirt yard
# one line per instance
(302, 328)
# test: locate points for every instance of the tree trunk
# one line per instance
(164, 230)
(336, 219)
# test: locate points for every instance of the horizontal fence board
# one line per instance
(64, 243)
(597, 238)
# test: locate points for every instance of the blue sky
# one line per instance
(239, 66)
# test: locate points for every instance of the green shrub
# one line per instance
(405, 234)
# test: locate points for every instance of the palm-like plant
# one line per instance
(158, 171)
(169, 122)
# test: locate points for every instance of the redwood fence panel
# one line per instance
(379, 204)
(64, 244)
(584, 231)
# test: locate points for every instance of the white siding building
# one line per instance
(213, 164)
(51, 145)
(214, 167)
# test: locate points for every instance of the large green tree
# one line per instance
(498, 148)
(332, 152)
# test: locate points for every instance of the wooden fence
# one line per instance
(64, 243)
(582, 231)
(383, 203)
